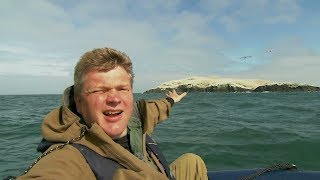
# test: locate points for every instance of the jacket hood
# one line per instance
(63, 123)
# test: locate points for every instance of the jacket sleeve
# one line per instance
(153, 112)
(55, 166)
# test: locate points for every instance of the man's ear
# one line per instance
(77, 100)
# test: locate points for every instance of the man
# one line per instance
(99, 132)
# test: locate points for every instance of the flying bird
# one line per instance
(245, 57)
(269, 50)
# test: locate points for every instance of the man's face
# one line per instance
(106, 99)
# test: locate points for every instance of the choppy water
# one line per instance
(228, 130)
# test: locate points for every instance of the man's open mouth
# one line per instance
(112, 113)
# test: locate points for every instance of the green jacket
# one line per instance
(62, 124)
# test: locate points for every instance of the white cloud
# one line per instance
(244, 14)
(165, 39)
(302, 69)
(34, 68)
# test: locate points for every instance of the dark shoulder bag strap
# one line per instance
(152, 145)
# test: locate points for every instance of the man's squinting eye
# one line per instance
(125, 88)
(97, 91)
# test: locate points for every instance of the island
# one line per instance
(218, 84)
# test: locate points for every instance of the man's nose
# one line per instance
(113, 97)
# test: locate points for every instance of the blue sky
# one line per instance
(41, 41)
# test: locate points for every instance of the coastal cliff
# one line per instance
(216, 84)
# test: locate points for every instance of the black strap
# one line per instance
(170, 100)
(152, 145)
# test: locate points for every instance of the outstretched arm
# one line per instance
(175, 96)
(156, 111)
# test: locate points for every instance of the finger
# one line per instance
(183, 95)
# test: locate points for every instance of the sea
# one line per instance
(228, 130)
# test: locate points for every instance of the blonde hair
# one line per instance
(101, 60)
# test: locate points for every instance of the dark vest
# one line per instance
(104, 168)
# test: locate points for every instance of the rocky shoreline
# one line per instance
(216, 84)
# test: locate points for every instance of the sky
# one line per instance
(42, 40)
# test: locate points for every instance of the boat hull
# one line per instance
(274, 175)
